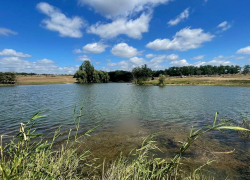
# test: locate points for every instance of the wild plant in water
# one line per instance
(146, 166)
(29, 157)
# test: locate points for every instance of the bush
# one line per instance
(162, 79)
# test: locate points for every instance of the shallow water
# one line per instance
(126, 114)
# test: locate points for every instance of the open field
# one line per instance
(223, 80)
(41, 79)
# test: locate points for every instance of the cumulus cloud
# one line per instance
(184, 15)
(198, 57)
(155, 63)
(137, 61)
(245, 50)
(94, 48)
(83, 58)
(57, 21)
(179, 63)
(150, 55)
(45, 61)
(124, 50)
(172, 57)
(7, 32)
(183, 40)
(114, 8)
(46, 66)
(77, 51)
(11, 52)
(224, 26)
(131, 28)
(218, 62)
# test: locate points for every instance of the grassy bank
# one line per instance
(226, 80)
(29, 156)
(41, 79)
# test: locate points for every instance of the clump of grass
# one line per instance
(29, 156)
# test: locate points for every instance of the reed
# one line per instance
(30, 156)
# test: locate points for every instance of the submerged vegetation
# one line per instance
(29, 156)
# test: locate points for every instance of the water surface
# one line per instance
(121, 107)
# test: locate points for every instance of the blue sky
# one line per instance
(57, 36)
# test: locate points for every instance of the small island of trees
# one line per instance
(88, 74)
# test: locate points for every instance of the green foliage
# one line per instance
(120, 76)
(203, 70)
(32, 157)
(7, 78)
(88, 74)
(141, 73)
(162, 79)
(81, 76)
(246, 69)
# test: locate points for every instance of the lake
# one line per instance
(126, 113)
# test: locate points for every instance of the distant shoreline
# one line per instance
(224, 80)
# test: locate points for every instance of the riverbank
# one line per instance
(43, 80)
(224, 80)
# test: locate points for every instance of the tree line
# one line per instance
(7, 78)
(88, 74)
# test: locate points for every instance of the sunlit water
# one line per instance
(141, 110)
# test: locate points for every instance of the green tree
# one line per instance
(141, 73)
(246, 69)
(81, 76)
(89, 69)
(88, 74)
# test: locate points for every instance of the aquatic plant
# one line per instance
(29, 156)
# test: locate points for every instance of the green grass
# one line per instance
(29, 156)
(243, 83)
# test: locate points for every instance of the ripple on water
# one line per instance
(142, 109)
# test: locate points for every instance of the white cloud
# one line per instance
(213, 62)
(133, 62)
(124, 50)
(150, 55)
(137, 61)
(17, 64)
(184, 15)
(112, 64)
(45, 61)
(114, 8)
(198, 57)
(57, 21)
(94, 48)
(179, 63)
(239, 58)
(245, 50)
(7, 32)
(172, 57)
(83, 58)
(199, 63)
(131, 28)
(183, 40)
(77, 51)
(217, 63)
(224, 26)
(11, 52)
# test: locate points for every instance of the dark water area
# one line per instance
(127, 113)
